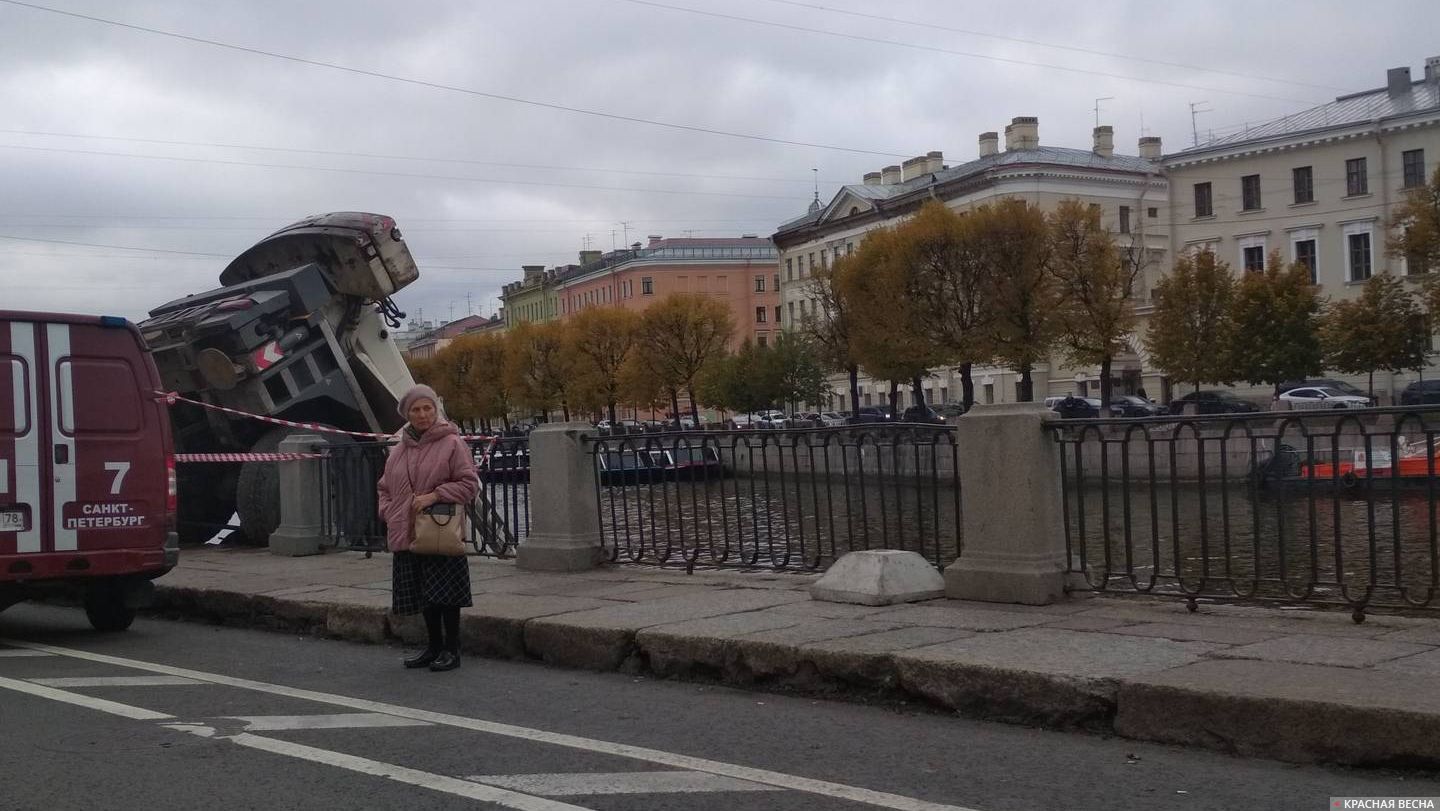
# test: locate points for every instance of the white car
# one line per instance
(1322, 397)
(830, 419)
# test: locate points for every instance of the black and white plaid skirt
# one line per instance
(421, 580)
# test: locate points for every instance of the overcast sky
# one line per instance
(269, 140)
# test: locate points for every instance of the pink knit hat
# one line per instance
(420, 391)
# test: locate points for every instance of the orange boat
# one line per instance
(1413, 463)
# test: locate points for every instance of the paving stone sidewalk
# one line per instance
(1296, 685)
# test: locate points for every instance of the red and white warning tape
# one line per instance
(171, 398)
(246, 457)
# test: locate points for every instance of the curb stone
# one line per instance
(1326, 727)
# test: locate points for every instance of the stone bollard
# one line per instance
(564, 506)
(300, 500)
(1013, 518)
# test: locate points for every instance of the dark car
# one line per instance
(1421, 392)
(1078, 408)
(1212, 402)
(1128, 405)
(921, 413)
(1321, 383)
(949, 411)
(870, 414)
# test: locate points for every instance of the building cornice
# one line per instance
(1339, 133)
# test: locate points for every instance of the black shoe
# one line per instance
(446, 661)
(422, 659)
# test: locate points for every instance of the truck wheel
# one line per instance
(257, 492)
(106, 609)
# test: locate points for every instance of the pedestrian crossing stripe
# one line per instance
(572, 784)
(343, 720)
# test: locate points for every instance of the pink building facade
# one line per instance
(743, 273)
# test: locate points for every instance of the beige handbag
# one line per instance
(440, 530)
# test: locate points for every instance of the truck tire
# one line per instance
(257, 491)
(106, 608)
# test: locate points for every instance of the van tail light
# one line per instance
(171, 489)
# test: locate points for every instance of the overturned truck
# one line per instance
(299, 330)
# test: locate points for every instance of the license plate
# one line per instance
(11, 521)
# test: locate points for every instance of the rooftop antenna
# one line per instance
(452, 312)
(815, 173)
(612, 239)
(585, 243)
(468, 312)
(625, 231)
(1097, 107)
(1194, 129)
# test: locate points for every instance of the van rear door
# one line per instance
(109, 442)
(24, 489)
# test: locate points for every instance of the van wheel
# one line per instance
(106, 609)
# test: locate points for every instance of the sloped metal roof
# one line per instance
(1345, 111)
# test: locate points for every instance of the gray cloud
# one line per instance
(469, 227)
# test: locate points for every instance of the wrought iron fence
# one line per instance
(1301, 507)
(779, 499)
(499, 516)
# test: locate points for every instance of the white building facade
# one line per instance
(1131, 192)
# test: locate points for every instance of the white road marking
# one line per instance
(80, 700)
(344, 720)
(389, 771)
(568, 784)
(116, 681)
(808, 785)
(21, 653)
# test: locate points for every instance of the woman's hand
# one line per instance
(421, 502)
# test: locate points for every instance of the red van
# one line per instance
(87, 472)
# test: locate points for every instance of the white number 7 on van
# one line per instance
(119, 469)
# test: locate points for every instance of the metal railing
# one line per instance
(1330, 507)
(778, 499)
(499, 516)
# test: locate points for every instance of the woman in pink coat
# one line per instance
(430, 465)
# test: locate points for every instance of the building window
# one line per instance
(1250, 193)
(1152, 212)
(792, 313)
(777, 313)
(647, 286)
(1413, 161)
(854, 210)
(1202, 200)
(1355, 180)
(1253, 258)
(1415, 264)
(1304, 180)
(835, 253)
(1124, 219)
(1307, 255)
(800, 265)
(803, 312)
(1358, 255)
(849, 248)
(759, 315)
(760, 341)
(789, 270)
(989, 394)
(759, 284)
(777, 282)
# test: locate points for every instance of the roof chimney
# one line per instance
(989, 143)
(1150, 148)
(872, 178)
(1104, 141)
(533, 272)
(890, 175)
(913, 168)
(1432, 70)
(934, 161)
(1023, 132)
(1397, 81)
(590, 257)
(655, 239)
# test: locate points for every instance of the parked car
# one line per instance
(1322, 397)
(1421, 392)
(1213, 401)
(829, 419)
(1052, 401)
(921, 414)
(621, 426)
(866, 414)
(1322, 382)
(1128, 405)
(1075, 408)
(759, 419)
(949, 411)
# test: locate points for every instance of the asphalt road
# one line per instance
(181, 716)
